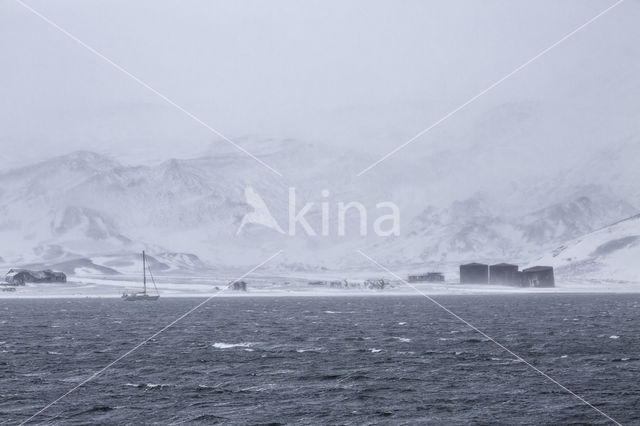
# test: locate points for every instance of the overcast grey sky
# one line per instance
(368, 74)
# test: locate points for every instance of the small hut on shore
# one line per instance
(429, 277)
(239, 286)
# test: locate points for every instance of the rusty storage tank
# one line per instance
(538, 276)
(474, 273)
(504, 274)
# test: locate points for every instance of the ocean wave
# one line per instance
(300, 351)
(222, 345)
(157, 385)
(206, 418)
(148, 385)
(208, 387)
(263, 388)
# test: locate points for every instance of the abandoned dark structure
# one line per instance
(239, 286)
(538, 276)
(429, 277)
(504, 274)
(22, 276)
(372, 284)
(474, 273)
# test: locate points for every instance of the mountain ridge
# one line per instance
(89, 206)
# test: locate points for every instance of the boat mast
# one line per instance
(144, 272)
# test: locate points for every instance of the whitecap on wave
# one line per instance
(300, 351)
(222, 345)
(148, 385)
(156, 385)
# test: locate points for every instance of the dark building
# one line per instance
(239, 286)
(22, 276)
(474, 273)
(504, 274)
(429, 277)
(538, 276)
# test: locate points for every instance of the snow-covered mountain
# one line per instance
(609, 254)
(479, 228)
(87, 213)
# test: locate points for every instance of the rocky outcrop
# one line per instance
(22, 276)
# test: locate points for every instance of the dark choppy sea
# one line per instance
(351, 360)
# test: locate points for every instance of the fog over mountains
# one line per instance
(186, 213)
(541, 169)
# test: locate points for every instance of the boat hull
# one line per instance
(141, 297)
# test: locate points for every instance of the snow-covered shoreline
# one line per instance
(104, 288)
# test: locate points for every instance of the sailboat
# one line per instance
(142, 295)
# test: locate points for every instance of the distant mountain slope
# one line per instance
(87, 212)
(476, 229)
(610, 253)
